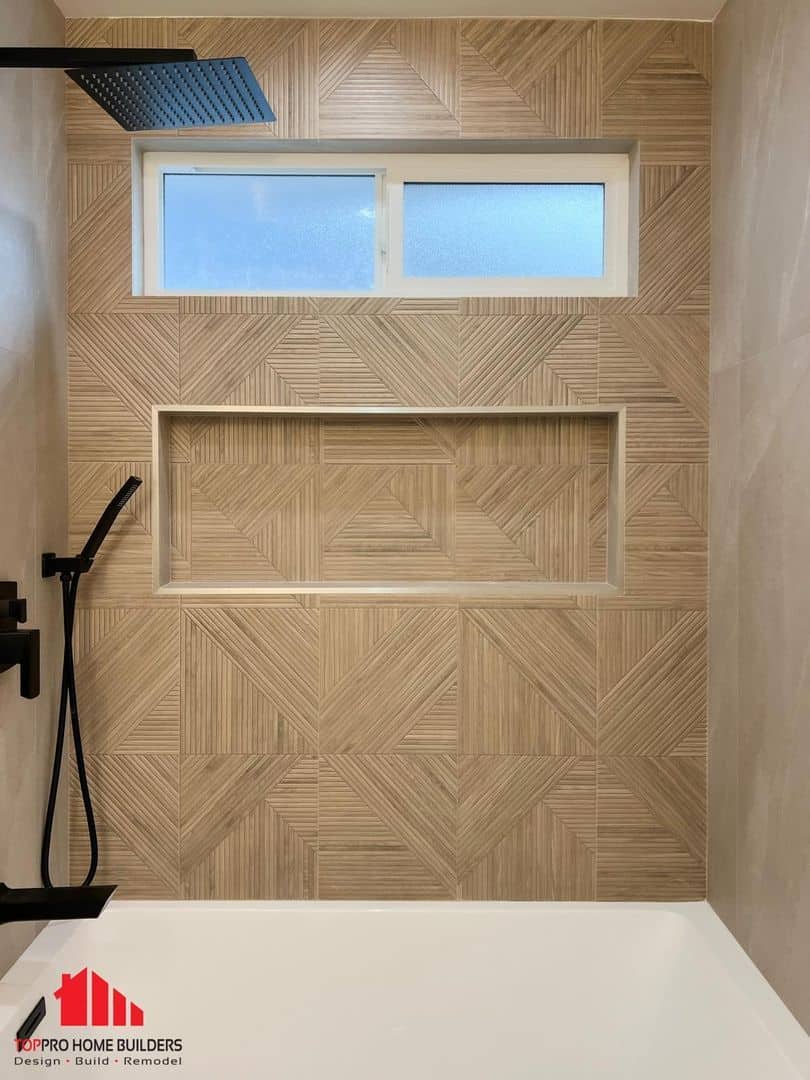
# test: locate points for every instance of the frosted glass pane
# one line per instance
(268, 233)
(504, 230)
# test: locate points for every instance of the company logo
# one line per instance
(87, 1000)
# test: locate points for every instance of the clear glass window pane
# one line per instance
(268, 233)
(503, 230)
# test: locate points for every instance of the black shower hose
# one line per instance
(67, 699)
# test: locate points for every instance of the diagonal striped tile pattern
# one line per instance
(281, 748)
(651, 837)
(414, 499)
(652, 698)
(388, 679)
(250, 680)
(248, 826)
(528, 682)
(138, 851)
(537, 78)
(527, 828)
(656, 88)
(387, 827)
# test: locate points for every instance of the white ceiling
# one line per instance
(403, 9)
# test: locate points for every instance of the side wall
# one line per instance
(475, 742)
(759, 868)
(33, 405)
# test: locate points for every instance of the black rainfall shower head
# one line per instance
(188, 94)
(111, 512)
(150, 89)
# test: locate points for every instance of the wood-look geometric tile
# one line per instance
(127, 33)
(537, 78)
(249, 826)
(382, 97)
(128, 679)
(483, 551)
(652, 828)
(674, 256)
(389, 360)
(431, 47)
(252, 304)
(598, 502)
(391, 440)
(345, 43)
(388, 305)
(652, 682)
(120, 365)
(254, 522)
(529, 441)
(395, 498)
(87, 181)
(489, 104)
(383, 79)
(99, 278)
(658, 366)
(382, 523)
(246, 505)
(528, 360)
(665, 431)
(528, 305)
(542, 511)
(656, 87)
(666, 560)
(288, 375)
(100, 425)
(387, 827)
(388, 680)
(655, 358)
(246, 440)
(527, 828)
(403, 689)
(248, 359)
(136, 803)
(528, 683)
(250, 680)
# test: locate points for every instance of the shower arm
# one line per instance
(25, 57)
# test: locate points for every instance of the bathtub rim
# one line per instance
(774, 1015)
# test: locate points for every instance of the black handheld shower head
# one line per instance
(81, 563)
(70, 571)
(111, 512)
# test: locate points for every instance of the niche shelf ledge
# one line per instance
(167, 583)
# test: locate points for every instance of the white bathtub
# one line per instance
(413, 991)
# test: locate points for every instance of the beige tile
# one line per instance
(527, 828)
(361, 725)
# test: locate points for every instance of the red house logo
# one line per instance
(80, 997)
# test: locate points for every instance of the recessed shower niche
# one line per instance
(501, 502)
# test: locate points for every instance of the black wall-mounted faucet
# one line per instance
(67, 902)
(18, 647)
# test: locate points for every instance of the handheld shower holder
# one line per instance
(53, 564)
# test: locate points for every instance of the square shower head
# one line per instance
(181, 94)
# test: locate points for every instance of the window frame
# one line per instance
(392, 171)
